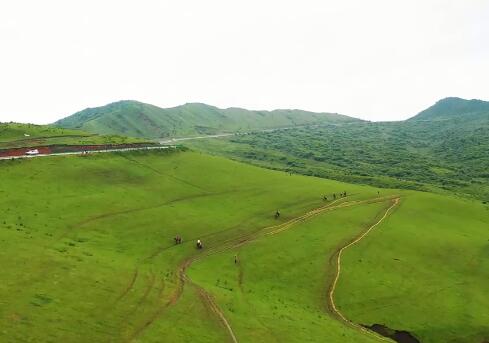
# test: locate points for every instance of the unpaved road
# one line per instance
(276, 229)
(89, 152)
(222, 135)
(332, 289)
(248, 238)
(175, 140)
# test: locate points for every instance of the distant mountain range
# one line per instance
(137, 119)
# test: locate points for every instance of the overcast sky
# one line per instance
(376, 59)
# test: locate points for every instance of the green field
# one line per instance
(88, 254)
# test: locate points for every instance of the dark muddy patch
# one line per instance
(397, 335)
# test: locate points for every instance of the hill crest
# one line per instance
(453, 107)
(138, 119)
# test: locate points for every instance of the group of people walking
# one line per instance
(340, 195)
(178, 240)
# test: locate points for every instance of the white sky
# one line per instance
(376, 59)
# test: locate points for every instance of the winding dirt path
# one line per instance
(332, 289)
(209, 301)
(272, 230)
(234, 243)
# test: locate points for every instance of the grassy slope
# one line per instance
(78, 228)
(136, 119)
(12, 135)
(426, 271)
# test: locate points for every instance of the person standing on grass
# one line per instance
(236, 259)
(178, 239)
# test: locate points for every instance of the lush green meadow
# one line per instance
(88, 254)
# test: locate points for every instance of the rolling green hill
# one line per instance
(450, 108)
(450, 154)
(136, 119)
(88, 254)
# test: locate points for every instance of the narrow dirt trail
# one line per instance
(272, 230)
(234, 243)
(332, 289)
(209, 301)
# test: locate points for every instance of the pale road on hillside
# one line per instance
(87, 152)
(222, 135)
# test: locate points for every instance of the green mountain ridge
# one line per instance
(137, 119)
(452, 108)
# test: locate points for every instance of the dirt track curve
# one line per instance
(233, 243)
(332, 289)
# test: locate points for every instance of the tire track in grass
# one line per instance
(331, 303)
(129, 286)
(209, 301)
(147, 291)
(235, 243)
(136, 209)
(257, 318)
(157, 171)
(171, 301)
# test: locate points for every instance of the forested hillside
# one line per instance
(451, 154)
